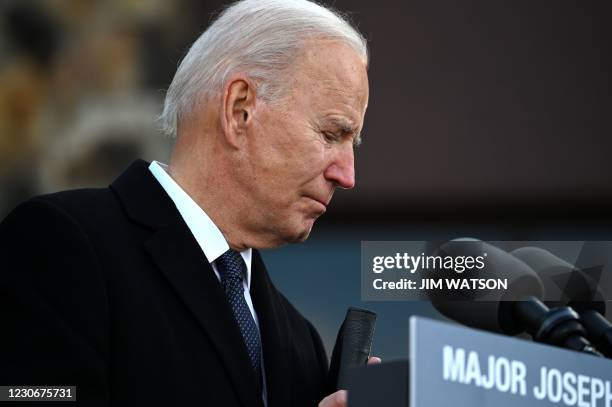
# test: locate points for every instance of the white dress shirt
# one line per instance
(206, 233)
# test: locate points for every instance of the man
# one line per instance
(152, 291)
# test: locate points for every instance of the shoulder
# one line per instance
(45, 214)
(82, 213)
(96, 207)
(68, 204)
(51, 235)
(80, 203)
(54, 227)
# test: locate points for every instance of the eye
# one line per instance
(329, 136)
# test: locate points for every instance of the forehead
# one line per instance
(331, 77)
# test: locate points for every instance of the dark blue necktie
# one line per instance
(232, 270)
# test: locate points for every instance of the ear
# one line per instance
(239, 98)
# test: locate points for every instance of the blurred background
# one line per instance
(486, 119)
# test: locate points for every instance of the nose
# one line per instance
(341, 171)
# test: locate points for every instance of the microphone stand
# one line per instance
(559, 326)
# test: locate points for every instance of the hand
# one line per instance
(339, 398)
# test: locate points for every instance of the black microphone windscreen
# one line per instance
(490, 310)
(352, 347)
(563, 283)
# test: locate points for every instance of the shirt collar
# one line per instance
(206, 233)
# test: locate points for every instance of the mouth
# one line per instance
(320, 203)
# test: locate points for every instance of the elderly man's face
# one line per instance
(302, 146)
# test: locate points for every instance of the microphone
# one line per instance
(599, 329)
(353, 345)
(564, 284)
(514, 310)
(579, 292)
(490, 310)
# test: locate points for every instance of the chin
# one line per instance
(302, 232)
(303, 236)
(296, 230)
(298, 236)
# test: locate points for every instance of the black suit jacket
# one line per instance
(107, 289)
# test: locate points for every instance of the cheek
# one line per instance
(286, 154)
(295, 161)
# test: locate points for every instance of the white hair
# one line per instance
(259, 38)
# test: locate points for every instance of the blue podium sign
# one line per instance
(454, 365)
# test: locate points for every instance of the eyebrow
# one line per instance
(346, 127)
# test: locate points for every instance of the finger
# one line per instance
(337, 399)
(373, 360)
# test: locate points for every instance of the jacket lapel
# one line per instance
(273, 326)
(176, 252)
